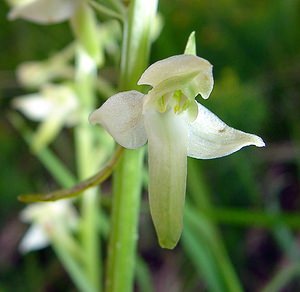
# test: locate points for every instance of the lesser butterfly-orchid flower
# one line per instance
(176, 126)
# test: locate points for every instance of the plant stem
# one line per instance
(87, 166)
(123, 236)
(105, 10)
(136, 41)
(89, 210)
(73, 269)
(128, 175)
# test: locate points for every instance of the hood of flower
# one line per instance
(176, 81)
(176, 101)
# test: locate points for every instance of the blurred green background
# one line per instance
(247, 204)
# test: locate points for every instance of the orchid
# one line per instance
(55, 106)
(44, 11)
(34, 74)
(48, 220)
(176, 126)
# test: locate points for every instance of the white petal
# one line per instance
(45, 11)
(49, 215)
(180, 66)
(121, 115)
(209, 137)
(85, 27)
(54, 102)
(167, 142)
(34, 106)
(35, 238)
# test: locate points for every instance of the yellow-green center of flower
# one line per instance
(175, 100)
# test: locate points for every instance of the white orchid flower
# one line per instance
(34, 74)
(59, 100)
(55, 106)
(176, 126)
(44, 11)
(49, 220)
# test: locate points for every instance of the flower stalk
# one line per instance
(85, 77)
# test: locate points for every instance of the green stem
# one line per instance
(90, 236)
(105, 10)
(73, 269)
(89, 210)
(128, 175)
(64, 238)
(85, 80)
(123, 236)
(136, 41)
(118, 5)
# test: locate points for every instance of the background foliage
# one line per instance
(246, 203)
